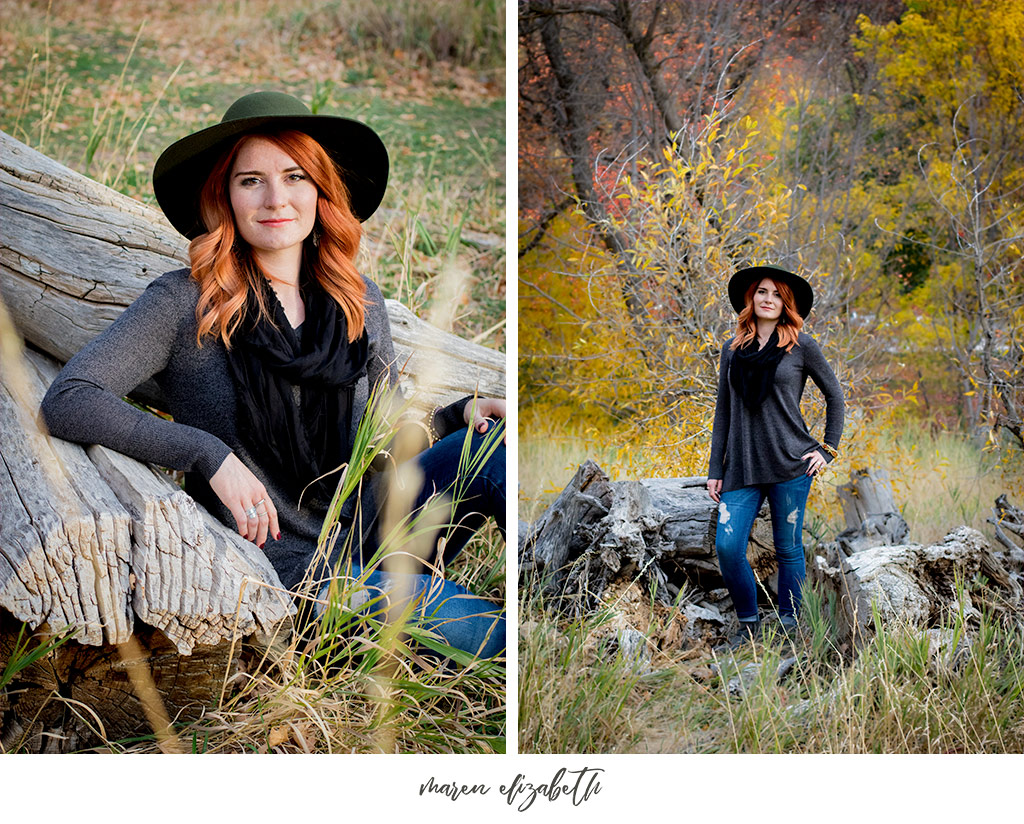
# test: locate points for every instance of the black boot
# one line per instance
(748, 633)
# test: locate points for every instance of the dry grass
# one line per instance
(576, 694)
(104, 87)
(897, 695)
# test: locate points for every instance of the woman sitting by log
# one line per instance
(267, 351)
(760, 446)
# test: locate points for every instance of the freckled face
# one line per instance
(273, 199)
(767, 301)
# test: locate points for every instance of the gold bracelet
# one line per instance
(831, 450)
(431, 429)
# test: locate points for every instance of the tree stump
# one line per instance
(907, 585)
(872, 517)
(870, 563)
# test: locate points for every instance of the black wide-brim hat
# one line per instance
(184, 166)
(740, 282)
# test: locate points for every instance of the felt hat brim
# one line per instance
(183, 167)
(740, 282)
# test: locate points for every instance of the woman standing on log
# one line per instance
(266, 352)
(760, 445)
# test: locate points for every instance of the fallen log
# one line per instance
(99, 544)
(637, 546)
(907, 585)
(95, 543)
(599, 537)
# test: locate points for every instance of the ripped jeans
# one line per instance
(736, 514)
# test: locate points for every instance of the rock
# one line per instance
(702, 621)
(632, 647)
(749, 675)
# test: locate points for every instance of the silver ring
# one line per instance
(251, 512)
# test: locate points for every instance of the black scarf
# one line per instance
(297, 442)
(752, 371)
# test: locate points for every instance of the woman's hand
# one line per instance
(240, 490)
(817, 462)
(477, 414)
(715, 489)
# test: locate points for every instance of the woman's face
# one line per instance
(767, 301)
(273, 199)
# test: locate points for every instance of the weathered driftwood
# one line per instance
(1007, 518)
(97, 543)
(105, 538)
(74, 254)
(65, 541)
(656, 534)
(872, 517)
(907, 585)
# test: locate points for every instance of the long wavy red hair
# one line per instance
(789, 325)
(227, 271)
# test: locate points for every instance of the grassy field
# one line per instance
(105, 86)
(900, 693)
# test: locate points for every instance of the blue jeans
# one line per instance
(462, 620)
(736, 514)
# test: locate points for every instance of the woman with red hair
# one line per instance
(266, 351)
(760, 446)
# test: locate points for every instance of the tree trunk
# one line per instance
(872, 517)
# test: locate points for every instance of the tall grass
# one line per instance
(942, 479)
(956, 689)
(369, 676)
(572, 697)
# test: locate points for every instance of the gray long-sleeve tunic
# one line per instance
(764, 445)
(156, 337)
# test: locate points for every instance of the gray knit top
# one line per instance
(764, 445)
(155, 338)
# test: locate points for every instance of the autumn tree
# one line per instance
(951, 105)
(635, 157)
